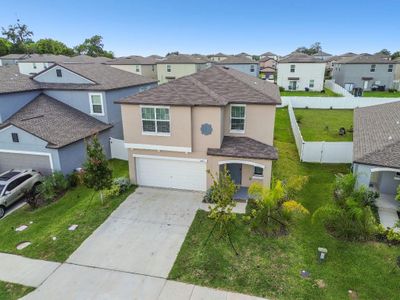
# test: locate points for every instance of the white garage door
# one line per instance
(10, 160)
(171, 173)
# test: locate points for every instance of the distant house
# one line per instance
(249, 56)
(176, 66)
(241, 63)
(269, 55)
(144, 66)
(364, 71)
(35, 63)
(299, 71)
(267, 68)
(322, 55)
(45, 119)
(11, 59)
(217, 57)
(376, 155)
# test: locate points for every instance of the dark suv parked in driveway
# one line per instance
(14, 184)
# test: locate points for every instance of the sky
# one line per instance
(205, 27)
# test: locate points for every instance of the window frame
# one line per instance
(257, 175)
(156, 133)
(137, 68)
(244, 119)
(292, 70)
(15, 137)
(313, 83)
(372, 68)
(169, 68)
(390, 68)
(91, 104)
(59, 73)
(252, 68)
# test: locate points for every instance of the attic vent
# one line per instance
(59, 72)
(226, 68)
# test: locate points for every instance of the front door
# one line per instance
(292, 85)
(235, 171)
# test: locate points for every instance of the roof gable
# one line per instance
(50, 75)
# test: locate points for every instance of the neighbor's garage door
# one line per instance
(24, 161)
(171, 173)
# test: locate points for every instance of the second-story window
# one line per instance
(292, 68)
(238, 115)
(373, 67)
(96, 104)
(155, 120)
(168, 68)
(390, 68)
(137, 69)
(34, 65)
(311, 84)
(252, 68)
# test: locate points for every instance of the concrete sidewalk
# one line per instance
(25, 271)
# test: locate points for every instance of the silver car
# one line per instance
(14, 184)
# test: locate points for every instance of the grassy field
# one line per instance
(328, 93)
(324, 124)
(381, 94)
(75, 207)
(270, 267)
(11, 291)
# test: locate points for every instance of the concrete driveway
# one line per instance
(144, 235)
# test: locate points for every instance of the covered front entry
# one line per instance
(235, 171)
(171, 172)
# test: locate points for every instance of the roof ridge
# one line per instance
(206, 89)
(376, 151)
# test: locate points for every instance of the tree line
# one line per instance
(18, 38)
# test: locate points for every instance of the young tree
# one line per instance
(395, 55)
(93, 47)
(5, 46)
(314, 48)
(19, 35)
(274, 208)
(223, 190)
(96, 173)
(384, 52)
(50, 46)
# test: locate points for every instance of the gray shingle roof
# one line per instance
(45, 58)
(363, 59)
(132, 60)
(55, 122)
(268, 54)
(377, 135)
(244, 147)
(215, 86)
(13, 56)
(86, 59)
(297, 57)
(181, 59)
(236, 60)
(322, 53)
(105, 77)
(12, 81)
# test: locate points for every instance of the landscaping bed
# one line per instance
(327, 93)
(271, 267)
(48, 225)
(11, 291)
(385, 94)
(324, 124)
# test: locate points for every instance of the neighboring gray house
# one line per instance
(241, 63)
(44, 119)
(376, 155)
(145, 66)
(363, 71)
(322, 55)
(11, 59)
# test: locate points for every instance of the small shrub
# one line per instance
(208, 197)
(323, 92)
(112, 192)
(392, 90)
(32, 199)
(52, 186)
(73, 179)
(281, 89)
(123, 183)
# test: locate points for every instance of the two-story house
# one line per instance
(215, 118)
(11, 59)
(364, 71)
(35, 63)
(176, 66)
(269, 55)
(267, 68)
(299, 71)
(45, 119)
(217, 57)
(145, 66)
(241, 63)
(322, 55)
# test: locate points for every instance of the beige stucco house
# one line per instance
(145, 66)
(176, 66)
(216, 118)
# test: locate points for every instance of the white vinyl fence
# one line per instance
(118, 149)
(320, 152)
(330, 84)
(334, 102)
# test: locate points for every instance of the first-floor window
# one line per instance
(238, 113)
(155, 120)
(311, 84)
(96, 104)
(258, 171)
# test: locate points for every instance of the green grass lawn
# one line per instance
(75, 207)
(385, 94)
(324, 124)
(11, 291)
(328, 93)
(270, 267)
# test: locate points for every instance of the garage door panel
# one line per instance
(9, 161)
(171, 173)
